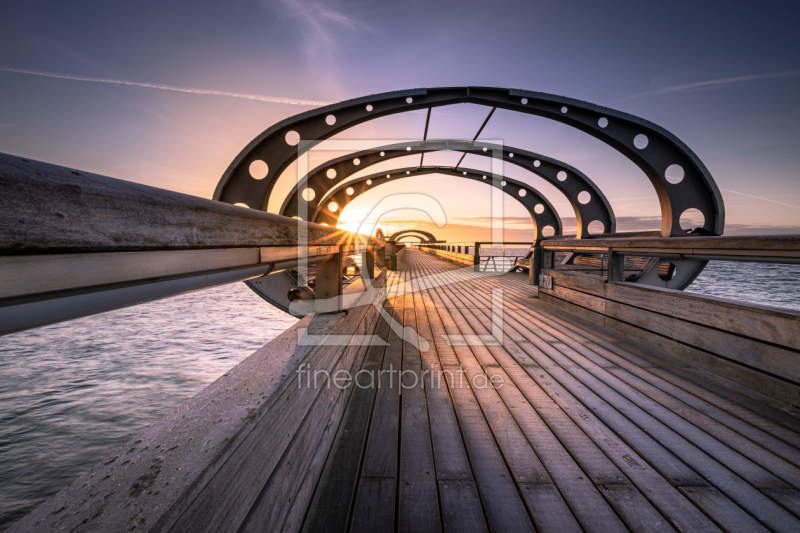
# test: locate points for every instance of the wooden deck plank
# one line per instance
(418, 502)
(587, 503)
(590, 508)
(588, 432)
(502, 503)
(330, 507)
(743, 493)
(461, 507)
(743, 501)
(747, 447)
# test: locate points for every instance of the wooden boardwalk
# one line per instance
(581, 432)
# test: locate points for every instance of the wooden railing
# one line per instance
(74, 244)
(469, 253)
(750, 345)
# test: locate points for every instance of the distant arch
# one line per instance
(426, 237)
(542, 213)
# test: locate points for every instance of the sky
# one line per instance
(168, 93)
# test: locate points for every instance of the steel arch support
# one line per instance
(567, 179)
(531, 199)
(277, 145)
(429, 237)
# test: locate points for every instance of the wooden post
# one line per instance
(368, 263)
(547, 260)
(616, 266)
(535, 267)
(328, 285)
(380, 257)
(476, 257)
(393, 258)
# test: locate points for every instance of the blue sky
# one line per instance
(204, 78)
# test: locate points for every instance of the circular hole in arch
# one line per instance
(369, 107)
(548, 231)
(484, 177)
(667, 271)
(562, 176)
(511, 155)
(539, 209)
(331, 173)
(524, 101)
(350, 191)
(258, 169)
(537, 163)
(240, 204)
(308, 194)
(409, 100)
(584, 197)
(464, 173)
(408, 148)
(502, 183)
(330, 120)
(523, 192)
(596, 227)
(564, 109)
(369, 182)
(674, 174)
(640, 141)
(485, 149)
(333, 207)
(692, 218)
(292, 138)
(388, 175)
(408, 172)
(383, 154)
(602, 122)
(356, 161)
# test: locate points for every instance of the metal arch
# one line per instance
(430, 238)
(575, 182)
(696, 190)
(530, 200)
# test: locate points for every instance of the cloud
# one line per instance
(321, 25)
(256, 97)
(719, 83)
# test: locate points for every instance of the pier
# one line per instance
(428, 386)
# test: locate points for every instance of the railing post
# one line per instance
(380, 257)
(547, 259)
(476, 257)
(535, 267)
(368, 263)
(616, 266)
(328, 285)
(393, 258)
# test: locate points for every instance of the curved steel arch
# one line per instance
(661, 150)
(530, 199)
(412, 232)
(574, 182)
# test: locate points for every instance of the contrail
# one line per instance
(722, 81)
(257, 97)
(760, 198)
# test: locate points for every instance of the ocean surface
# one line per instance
(71, 393)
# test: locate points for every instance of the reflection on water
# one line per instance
(71, 393)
